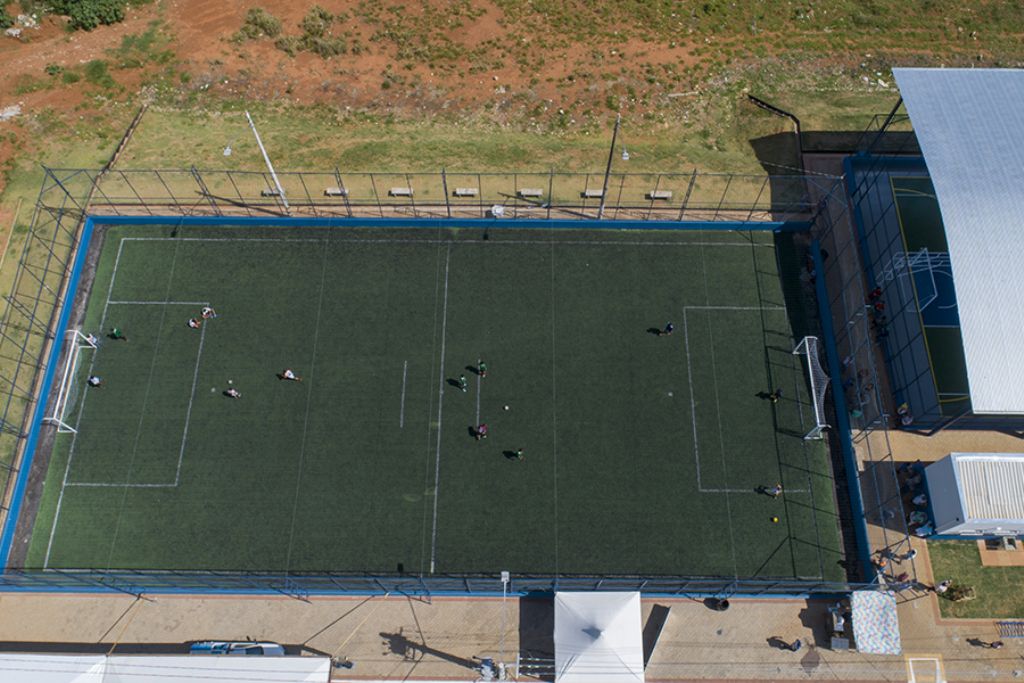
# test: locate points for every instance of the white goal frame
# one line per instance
(56, 417)
(810, 347)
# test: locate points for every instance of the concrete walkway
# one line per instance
(399, 638)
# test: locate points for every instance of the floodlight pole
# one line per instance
(270, 166)
(608, 168)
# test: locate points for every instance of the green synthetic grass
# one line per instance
(922, 227)
(998, 590)
(360, 468)
(918, 210)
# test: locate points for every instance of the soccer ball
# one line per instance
(506, 407)
(230, 381)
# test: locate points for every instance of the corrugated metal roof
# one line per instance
(970, 126)
(991, 485)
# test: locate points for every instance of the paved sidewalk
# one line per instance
(400, 638)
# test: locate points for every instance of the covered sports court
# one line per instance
(941, 236)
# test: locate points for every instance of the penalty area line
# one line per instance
(440, 405)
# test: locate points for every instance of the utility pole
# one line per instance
(270, 166)
(608, 168)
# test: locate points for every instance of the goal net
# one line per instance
(77, 341)
(811, 348)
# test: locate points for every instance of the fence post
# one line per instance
(444, 184)
(376, 195)
(344, 192)
(689, 189)
(551, 187)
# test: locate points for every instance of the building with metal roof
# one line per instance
(942, 236)
(977, 494)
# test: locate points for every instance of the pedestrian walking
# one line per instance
(463, 383)
(796, 645)
(481, 367)
(909, 555)
(95, 381)
(994, 645)
(774, 491)
(942, 587)
(289, 374)
(519, 454)
(481, 431)
(775, 396)
(116, 333)
(233, 393)
(194, 323)
(669, 329)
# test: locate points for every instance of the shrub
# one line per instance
(258, 22)
(6, 20)
(54, 69)
(289, 44)
(316, 22)
(326, 47)
(88, 14)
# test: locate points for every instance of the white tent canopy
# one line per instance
(970, 125)
(598, 638)
(34, 668)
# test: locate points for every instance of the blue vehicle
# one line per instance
(245, 647)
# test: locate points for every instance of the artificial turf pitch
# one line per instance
(642, 452)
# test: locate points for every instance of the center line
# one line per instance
(440, 403)
(401, 411)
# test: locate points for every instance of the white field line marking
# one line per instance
(440, 404)
(158, 303)
(693, 403)
(477, 398)
(382, 240)
(188, 411)
(81, 411)
(145, 401)
(188, 417)
(554, 413)
(309, 398)
(401, 412)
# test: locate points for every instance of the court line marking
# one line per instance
(81, 411)
(309, 399)
(145, 401)
(554, 411)
(440, 405)
(383, 240)
(158, 303)
(188, 416)
(401, 410)
(939, 675)
(693, 403)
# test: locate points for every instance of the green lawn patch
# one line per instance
(999, 590)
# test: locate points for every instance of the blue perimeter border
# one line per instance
(14, 512)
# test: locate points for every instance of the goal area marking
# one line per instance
(693, 402)
(188, 410)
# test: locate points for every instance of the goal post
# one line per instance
(819, 379)
(77, 341)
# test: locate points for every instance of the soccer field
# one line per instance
(642, 453)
